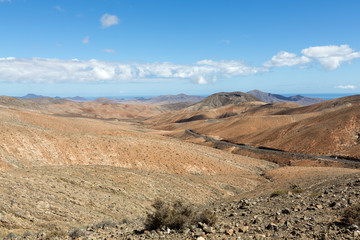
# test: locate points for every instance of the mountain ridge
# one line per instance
(272, 98)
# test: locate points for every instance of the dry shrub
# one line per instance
(351, 215)
(208, 217)
(176, 216)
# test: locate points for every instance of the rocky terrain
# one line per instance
(296, 210)
(71, 170)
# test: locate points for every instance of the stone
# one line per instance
(229, 231)
(285, 211)
(198, 232)
(243, 228)
(319, 206)
(208, 229)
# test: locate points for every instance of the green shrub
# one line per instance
(351, 215)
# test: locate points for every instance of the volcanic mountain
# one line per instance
(272, 98)
(221, 99)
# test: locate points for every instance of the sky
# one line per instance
(155, 47)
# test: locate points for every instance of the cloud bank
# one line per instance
(346, 87)
(42, 70)
(45, 70)
(330, 57)
(286, 59)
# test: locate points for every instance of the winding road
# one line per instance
(269, 150)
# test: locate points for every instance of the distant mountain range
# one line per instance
(272, 98)
(167, 99)
(213, 101)
(34, 96)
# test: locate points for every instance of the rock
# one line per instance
(285, 211)
(353, 227)
(200, 238)
(243, 228)
(198, 232)
(229, 231)
(208, 229)
(319, 206)
(272, 226)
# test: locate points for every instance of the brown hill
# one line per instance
(330, 105)
(221, 99)
(272, 98)
(327, 128)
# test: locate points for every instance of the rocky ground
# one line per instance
(312, 212)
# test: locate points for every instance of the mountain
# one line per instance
(164, 99)
(77, 99)
(176, 98)
(272, 98)
(31, 96)
(223, 98)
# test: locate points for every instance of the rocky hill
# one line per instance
(272, 98)
(222, 99)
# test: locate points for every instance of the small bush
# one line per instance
(281, 192)
(176, 216)
(106, 223)
(297, 190)
(351, 215)
(10, 236)
(207, 217)
(56, 234)
(277, 193)
(77, 233)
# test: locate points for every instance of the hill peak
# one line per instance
(223, 98)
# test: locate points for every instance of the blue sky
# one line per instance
(148, 48)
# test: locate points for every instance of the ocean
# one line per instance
(326, 96)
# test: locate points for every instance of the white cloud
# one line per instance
(60, 9)
(109, 50)
(55, 70)
(331, 57)
(286, 59)
(86, 40)
(346, 87)
(108, 20)
(225, 41)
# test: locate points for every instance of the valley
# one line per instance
(68, 165)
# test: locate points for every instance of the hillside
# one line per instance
(273, 98)
(328, 128)
(163, 99)
(68, 166)
(222, 99)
